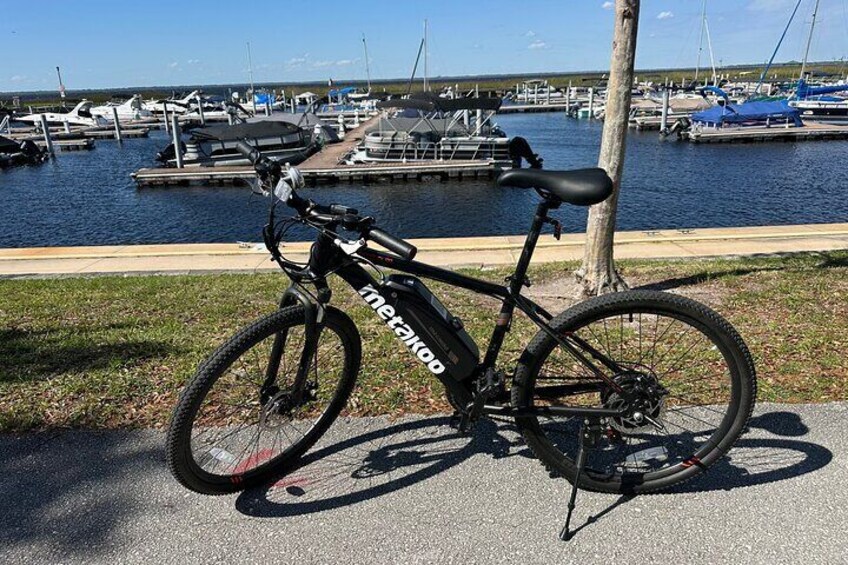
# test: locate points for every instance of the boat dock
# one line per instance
(325, 167)
(533, 108)
(807, 132)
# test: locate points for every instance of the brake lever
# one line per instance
(256, 187)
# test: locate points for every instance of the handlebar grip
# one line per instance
(248, 152)
(395, 245)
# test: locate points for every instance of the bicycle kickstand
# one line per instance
(589, 433)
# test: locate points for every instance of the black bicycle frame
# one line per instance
(325, 254)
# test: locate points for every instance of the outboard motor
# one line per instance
(168, 153)
(520, 149)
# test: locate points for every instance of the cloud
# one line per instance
(193, 61)
(665, 15)
(345, 62)
(296, 61)
(608, 5)
(18, 78)
(319, 64)
(530, 33)
(173, 65)
(538, 44)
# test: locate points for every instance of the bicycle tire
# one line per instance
(180, 458)
(728, 342)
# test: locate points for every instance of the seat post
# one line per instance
(517, 279)
(539, 219)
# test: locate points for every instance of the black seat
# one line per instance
(581, 187)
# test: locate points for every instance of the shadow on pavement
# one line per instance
(58, 493)
(385, 460)
(375, 463)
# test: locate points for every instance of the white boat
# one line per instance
(174, 105)
(132, 109)
(440, 129)
(79, 116)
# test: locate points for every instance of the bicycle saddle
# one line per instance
(581, 187)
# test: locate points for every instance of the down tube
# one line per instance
(369, 289)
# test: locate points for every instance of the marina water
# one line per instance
(88, 198)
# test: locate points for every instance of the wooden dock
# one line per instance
(808, 132)
(133, 133)
(533, 108)
(326, 167)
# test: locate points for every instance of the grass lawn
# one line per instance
(115, 351)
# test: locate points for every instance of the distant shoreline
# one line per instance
(782, 71)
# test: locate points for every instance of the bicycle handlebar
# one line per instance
(394, 244)
(348, 217)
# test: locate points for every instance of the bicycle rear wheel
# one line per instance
(692, 367)
(243, 419)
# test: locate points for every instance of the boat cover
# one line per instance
(748, 112)
(8, 146)
(429, 102)
(804, 91)
(240, 131)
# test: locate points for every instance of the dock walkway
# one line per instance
(448, 252)
(810, 131)
(325, 167)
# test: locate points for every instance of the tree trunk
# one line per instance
(598, 274)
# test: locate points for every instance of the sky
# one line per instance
(103, 44)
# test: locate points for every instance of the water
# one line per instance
(88, 198)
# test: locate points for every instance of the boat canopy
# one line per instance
(430, 102)
(240, 131)
(342, 91)
(804, 91)
(748, 112)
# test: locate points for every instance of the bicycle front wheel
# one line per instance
(687, 364)
(245, 416)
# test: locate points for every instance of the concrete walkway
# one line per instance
(412, 491)
(451, 252)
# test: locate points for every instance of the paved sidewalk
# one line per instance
(452, 252)
(411, 491)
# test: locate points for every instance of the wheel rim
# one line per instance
(237, 430)
(684, 356)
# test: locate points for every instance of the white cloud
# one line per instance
(608, 5)
(538, 44)
(530, 33)
(345, 62)
(17, 78)
(296, 61)
(173, 65)
(319, 64)
(665, 15)
(193, 61)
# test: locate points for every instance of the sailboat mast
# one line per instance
(367, 66)
(809, 40)
(250, 73)
(701, 39)
(712, 58)
(61, 85)
(426, 86)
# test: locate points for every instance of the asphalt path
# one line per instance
(413, 491)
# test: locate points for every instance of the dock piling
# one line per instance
(591, 102)
(67, 126)
(200, 110)
(175, 130)
(117, 124)
(48, 141)
(167, 122)
(664, 118)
